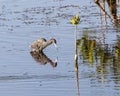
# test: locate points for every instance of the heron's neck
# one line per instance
(47, 43)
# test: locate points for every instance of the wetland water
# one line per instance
(26, 74)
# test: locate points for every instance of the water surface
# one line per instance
(23, 21)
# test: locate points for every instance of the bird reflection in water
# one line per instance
(40, 57)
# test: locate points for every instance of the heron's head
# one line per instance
(54, 42)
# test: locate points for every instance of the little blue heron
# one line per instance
(42, 43)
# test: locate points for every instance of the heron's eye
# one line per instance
(55, 41)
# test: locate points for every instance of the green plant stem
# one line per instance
(75, 35)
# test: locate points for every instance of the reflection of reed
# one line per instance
(93, 51)
(42, 58)
(104, 57)
(77, 77)
(102, 54)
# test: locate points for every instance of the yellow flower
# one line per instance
(75, 20)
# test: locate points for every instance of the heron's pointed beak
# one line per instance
(55, 45)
